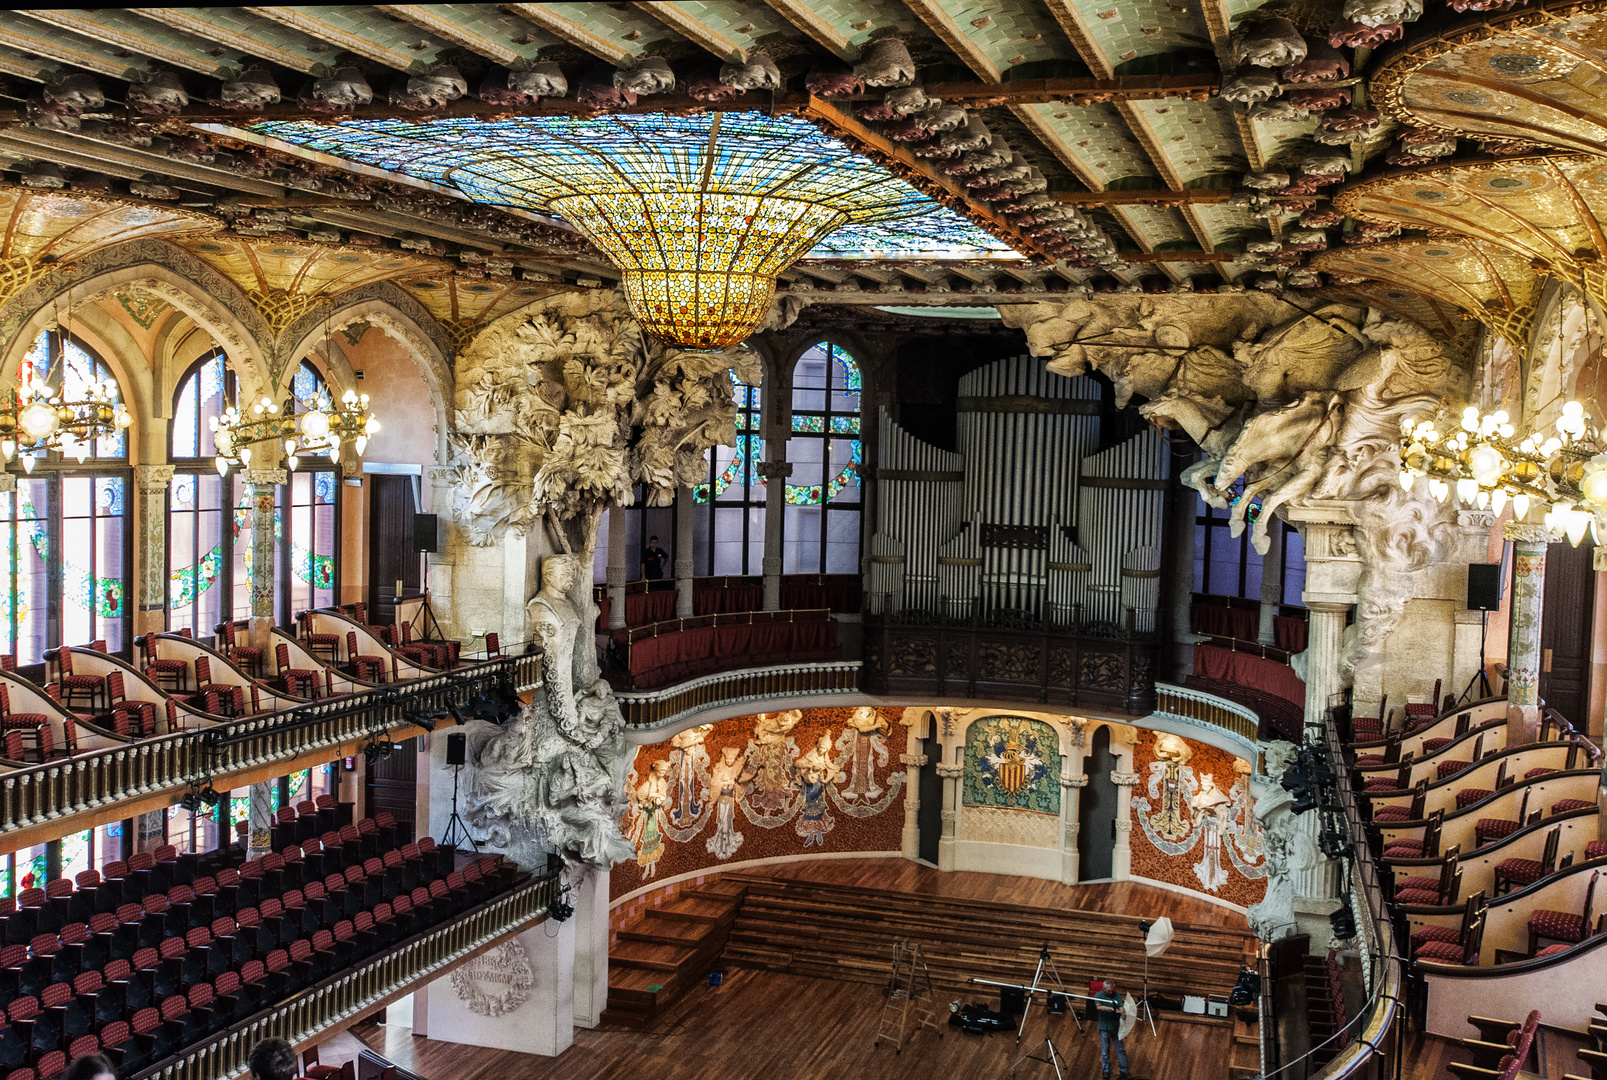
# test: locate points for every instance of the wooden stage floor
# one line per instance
(779, 1026)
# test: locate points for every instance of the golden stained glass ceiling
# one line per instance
(1534, 74)
(1495, 285)
(46, 228)
(1547, 210)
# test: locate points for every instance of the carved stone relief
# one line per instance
(497, 982)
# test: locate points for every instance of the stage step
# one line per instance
(665, 950)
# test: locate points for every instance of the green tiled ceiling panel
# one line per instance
(862, 21)
(1010, 37)
(484, 29)
(1272, 135)
(624, 27)
(26, 66)
(364, 31)
(249, 34)
(30, 36)
(1199, 138)
(1159, 225)
(1128, 29)
(128, 31)
(1099, 137)
(747, 24)
(1224, 223)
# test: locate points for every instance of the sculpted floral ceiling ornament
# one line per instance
(1494, 284)
(1530, 75)
(1548, 211)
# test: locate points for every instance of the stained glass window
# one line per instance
(77, 853)
(308, 559)
(31, 868)
(602, 166)
(820, 530)
(94, 520)
(729, 526)
(25, 580)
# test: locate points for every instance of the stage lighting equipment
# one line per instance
(457, 713)
(378, 750)
(1248, 989)
(426, 720)
(1343, 921)
(1057, 1004)
(560, 909)
(191, 801)
(209, 796)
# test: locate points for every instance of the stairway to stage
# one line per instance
(664, 950)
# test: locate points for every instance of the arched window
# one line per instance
(208, 516)
(820, 530)
(729, 527)
(64, 557)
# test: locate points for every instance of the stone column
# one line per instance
(442, 486)
(911, 843)
(1070, 826)
(1271, 582)
(149, 831)
(1121, 856)
(590, 900)
(260, 841)
(685, 507)
(951, 813)
(151, 482)
(775, 474)
(1523, 647)
(615, 573)
(263, 483)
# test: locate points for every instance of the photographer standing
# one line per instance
(1109, 1005)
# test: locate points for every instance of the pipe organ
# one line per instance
(1025, 524)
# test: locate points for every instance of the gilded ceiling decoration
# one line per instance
(288, 264)
(1533, 74)
(48, 229)
(1547, 210)
(1495, 285)
(143, 307)
(462, 304)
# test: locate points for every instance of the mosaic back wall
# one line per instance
(802, 782)
(1193, 824)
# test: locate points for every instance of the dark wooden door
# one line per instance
(1096, 813)
(390, 533)
(929, 816)
(392, 784)
(1565, 622)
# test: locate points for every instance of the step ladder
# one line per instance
(909, 990)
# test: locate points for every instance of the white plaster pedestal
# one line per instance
(590, 900)
(541, 1024)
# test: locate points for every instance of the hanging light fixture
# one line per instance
(39, 415)
(320, 430)
(698, 212)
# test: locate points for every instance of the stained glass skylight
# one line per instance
(699, 213)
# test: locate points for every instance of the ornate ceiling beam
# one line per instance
(948, 29)
(121, 28)
(820, 30)
(214, 28)
(1069, 16)
(1144, 197)
(1076, 91)
(676, 17)
(29, 36)
(573, 32)
(1177, 256)
(438, 19)
(393, 53)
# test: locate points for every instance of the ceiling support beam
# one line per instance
(1144, 197)
(705, 37)
(952, 34)
(820, 30)
(568, 30)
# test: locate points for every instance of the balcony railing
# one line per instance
(662, 708)
(1208, 710)
(45, 794)
(1054, 660)
(365, 988)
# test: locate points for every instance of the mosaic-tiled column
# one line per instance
(1070, 826)
(150, 831)
(911, 844)
(1121, 856)
(775, 474)
(615, 570)
(1523, 647)
(684, 509)
(263, 484)
(951, 814)
(151, 482)
(260, 840)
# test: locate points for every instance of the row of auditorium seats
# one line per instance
(158, 973)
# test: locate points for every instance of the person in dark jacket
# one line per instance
(653, 560)
(1108, 1004)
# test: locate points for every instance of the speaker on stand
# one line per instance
(457, 756)
(425, 532)
(1484, 596)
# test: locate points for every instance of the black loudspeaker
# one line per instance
(457, 748)
(1484, 587)
(1012, 1000)
(424, 533)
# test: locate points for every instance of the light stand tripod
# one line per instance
(1148, 1013)
(454, 825)
(1046, 965)
(1479, 677)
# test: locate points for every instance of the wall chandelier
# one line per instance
(37, 416)
(322, 429)
(1482, 462)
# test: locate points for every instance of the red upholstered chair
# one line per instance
(1563, 806)
(493, 645)
(1516, 873)
(142, 714)
(321, 645)
(248, 656)
(88, 687)
(1452, 934)
(163, 672)
(371, 668)
(205, 685)
(297, 682)
(1427, 847)
(1564, 926)
(1492, 828)
(1465, 952)
(1435, 891)
(416, 652)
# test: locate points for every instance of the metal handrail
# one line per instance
(361, 989)
(96, 778)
